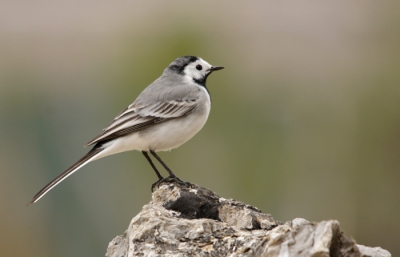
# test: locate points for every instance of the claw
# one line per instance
(168, 179)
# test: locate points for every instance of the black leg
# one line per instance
(152, 165)
(171, 174)
(172, 177)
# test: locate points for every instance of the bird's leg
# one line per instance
(152, 165)
(160, 178)
(171, 174)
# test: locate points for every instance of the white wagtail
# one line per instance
(165, 115)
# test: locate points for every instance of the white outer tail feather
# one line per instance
(67, 173)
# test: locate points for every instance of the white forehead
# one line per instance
(201, 61)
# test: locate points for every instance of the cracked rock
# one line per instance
(184, 219)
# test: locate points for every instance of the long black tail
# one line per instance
(79, 164)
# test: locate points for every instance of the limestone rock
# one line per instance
(184, 219)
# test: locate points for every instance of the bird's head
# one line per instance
(192, 68)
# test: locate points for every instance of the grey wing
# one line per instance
(139, 116)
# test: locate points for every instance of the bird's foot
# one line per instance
(168, 180)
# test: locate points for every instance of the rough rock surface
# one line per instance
(184, 219)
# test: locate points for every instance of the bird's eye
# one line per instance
(199, 67)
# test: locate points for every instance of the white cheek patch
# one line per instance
(192, 73)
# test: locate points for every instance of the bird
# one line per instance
(166, 114)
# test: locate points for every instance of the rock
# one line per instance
(375, 251)
(184, 219)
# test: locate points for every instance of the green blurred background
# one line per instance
(305, 120)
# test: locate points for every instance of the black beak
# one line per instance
(214, 68)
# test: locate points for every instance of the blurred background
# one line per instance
(305, 118)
